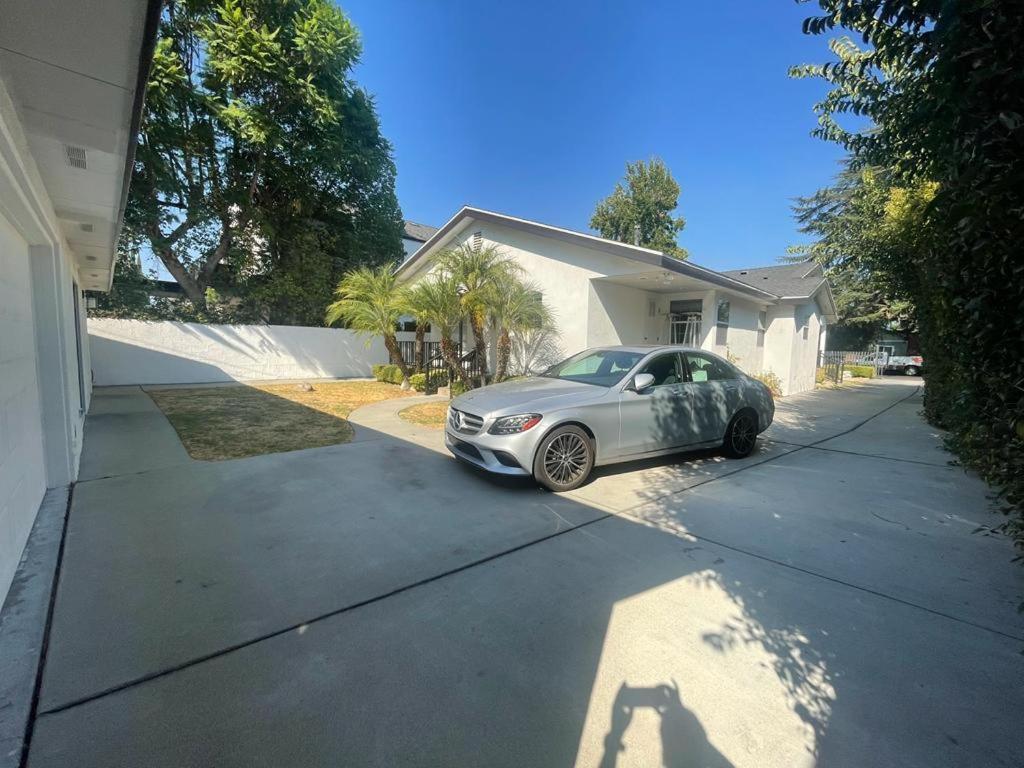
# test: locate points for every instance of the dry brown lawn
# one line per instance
(430, 415)
(233, 422)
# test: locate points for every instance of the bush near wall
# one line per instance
(389, 374)
(770, 380)
(860, 371)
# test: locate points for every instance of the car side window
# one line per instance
(707, 368)
(664, 369)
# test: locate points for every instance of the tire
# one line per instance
(741, 435)
(910, 370)
(564, 459)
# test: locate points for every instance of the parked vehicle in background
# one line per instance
(608, 405)
(909, 365)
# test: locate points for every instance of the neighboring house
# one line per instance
(70, 102)
(414, 235)
(605, 292)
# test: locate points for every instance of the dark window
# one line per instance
(707, 368)
(664, 369)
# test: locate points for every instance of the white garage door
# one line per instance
(22, 477)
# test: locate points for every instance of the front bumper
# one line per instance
(501, 454)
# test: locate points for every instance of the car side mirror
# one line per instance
(642, 381)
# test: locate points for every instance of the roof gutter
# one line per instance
(149, 37)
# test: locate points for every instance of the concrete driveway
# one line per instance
(823, 602)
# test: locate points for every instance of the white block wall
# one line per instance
(136, 352)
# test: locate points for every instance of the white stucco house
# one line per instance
(72, 77)
(604, 292)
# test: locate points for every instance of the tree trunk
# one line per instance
(480, 344)
(195, 290)
(504, 352)
(421, 332)
(451, 357)
(395, 353)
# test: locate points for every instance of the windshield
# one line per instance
(601, 367)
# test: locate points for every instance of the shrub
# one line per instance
(820, 375)
(770, 380)
(860, 371)
(457, 388)
(389, 374)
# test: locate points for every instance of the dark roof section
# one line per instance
(418, 232)
(788, 281)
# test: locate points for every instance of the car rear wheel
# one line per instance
(910, 370)
(564, 459)
(741, 435)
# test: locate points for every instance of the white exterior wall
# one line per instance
(22, 470)
(41, 412)
(805, 350)
(741, 342)
(137, 352)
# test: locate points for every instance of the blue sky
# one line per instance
(534, 108)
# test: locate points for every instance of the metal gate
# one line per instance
(685, 328)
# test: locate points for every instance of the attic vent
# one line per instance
(478, 240)
(743, 271)
(85, 227)
(76, 157)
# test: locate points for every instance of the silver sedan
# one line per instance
(607, 405)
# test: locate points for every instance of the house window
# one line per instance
(408, 326)
(722, 323)
(762, 327)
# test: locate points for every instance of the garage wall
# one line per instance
(22, 473)
(137, 352)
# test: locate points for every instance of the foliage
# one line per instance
(418, 381)
(820, 374)
(941, 86)
(516, 308)
(370, 302)
(436, 301)
(646, 199)
(860, 371)
(389, 373)
(477, 273)
(260, 167)
(458, 388)
(770, 380)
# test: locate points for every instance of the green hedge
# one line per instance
(860, 371)
(389, 374)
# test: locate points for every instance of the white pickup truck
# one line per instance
(910, 365)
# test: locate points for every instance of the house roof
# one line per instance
(787, 281)
(634, 252)
(418, 232)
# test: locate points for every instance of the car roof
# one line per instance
(646, 348)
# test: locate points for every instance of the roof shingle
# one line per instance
(790, 280)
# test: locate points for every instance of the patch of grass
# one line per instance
(430, 415)
(233, 422)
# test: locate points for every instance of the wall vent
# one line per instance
(478, 240)
(86, 227)
(76, 157)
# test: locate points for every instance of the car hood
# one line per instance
(527, 395)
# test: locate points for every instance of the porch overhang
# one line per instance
(673, 276)
(76, 74)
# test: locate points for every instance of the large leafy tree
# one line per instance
(371, 302)
(260, 163)
(941, 86)
(641, 207)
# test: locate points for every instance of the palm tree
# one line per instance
(415, 306)
(370, 302)
(436, 301)
(477, 272)
(516, 308)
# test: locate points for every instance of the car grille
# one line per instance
(465, 423)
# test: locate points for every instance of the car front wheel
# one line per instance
(741, 435)
(910, 370)
(564, 459)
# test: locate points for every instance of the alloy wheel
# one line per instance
(566, 458)
(743, 435)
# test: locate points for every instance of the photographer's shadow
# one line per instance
(684, 744)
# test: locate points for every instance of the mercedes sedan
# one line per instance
(607, 405)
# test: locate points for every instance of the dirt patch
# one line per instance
(233, 422)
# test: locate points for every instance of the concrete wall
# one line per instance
(136, 352)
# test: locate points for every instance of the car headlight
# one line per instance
(513, 425)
